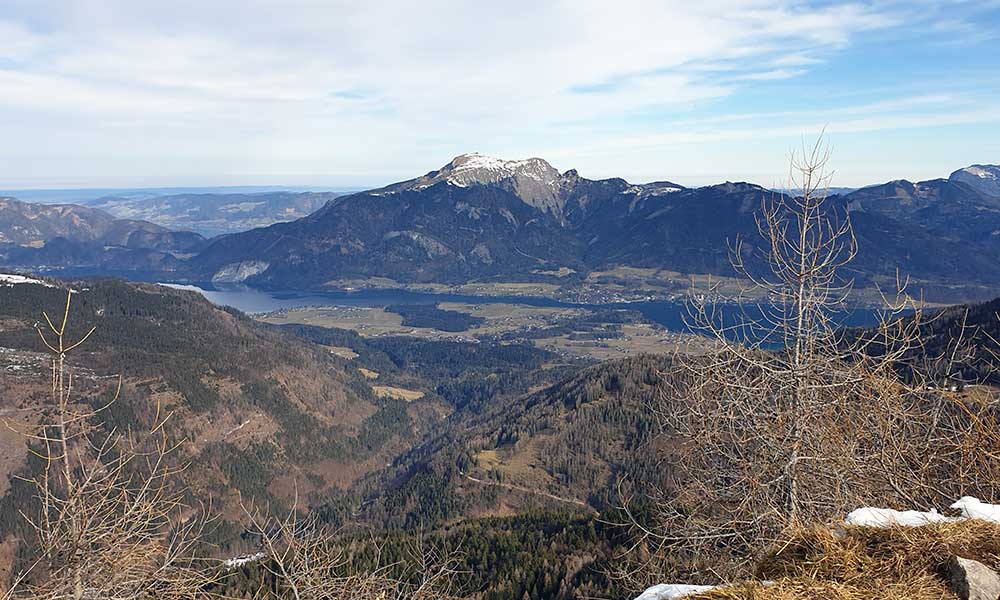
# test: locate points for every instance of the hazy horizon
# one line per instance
(363, 182)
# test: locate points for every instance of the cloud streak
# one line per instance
(310, 86)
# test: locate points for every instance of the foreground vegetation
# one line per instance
(860, 563)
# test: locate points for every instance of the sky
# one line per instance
(139, 93)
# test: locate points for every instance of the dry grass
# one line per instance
(342, 352)
(861, 563)
(368, 373)
(925, 587)
(388, 391)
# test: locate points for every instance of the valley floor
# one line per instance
(569, 332)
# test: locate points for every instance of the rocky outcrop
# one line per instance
(972, 580)
(239, 272)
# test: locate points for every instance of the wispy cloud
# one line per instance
(251, 87)
(772, 75)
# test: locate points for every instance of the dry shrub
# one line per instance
(863, 563)
(919, 588)
(864, 553)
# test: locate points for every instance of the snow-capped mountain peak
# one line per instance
(467, 169)
(534, 180)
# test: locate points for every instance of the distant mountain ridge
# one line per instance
(32, 224)
(475, 217)
(490, 219)
(212, 214)
(480, 218)
(70, 235)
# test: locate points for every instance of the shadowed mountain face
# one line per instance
(259, 410)
(485, 218)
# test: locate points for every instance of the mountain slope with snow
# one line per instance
(983, 178)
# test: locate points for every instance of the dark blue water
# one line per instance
(671, 315)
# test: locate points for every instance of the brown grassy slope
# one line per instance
(260, 412)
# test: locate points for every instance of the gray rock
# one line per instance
(972, 580)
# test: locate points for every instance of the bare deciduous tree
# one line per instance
(791, 419)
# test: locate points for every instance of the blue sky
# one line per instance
(142, 93)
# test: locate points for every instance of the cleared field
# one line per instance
(561, 272)
(343, 352)
(388, 391)
(637, 339)
(366, 321)
(520, 466)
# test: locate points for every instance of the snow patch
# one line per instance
(887, 517)
(10, 279)
(981, 172)
(672, 591)
(239, 561)
(974, 508)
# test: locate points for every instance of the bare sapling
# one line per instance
(110, 521)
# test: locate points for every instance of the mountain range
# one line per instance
(489, 219)
(485, 219)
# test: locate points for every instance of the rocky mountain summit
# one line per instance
(533, 180)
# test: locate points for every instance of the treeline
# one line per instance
(539, 555)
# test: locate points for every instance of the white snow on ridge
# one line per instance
(651, 190)
(981, 172)
(9, 279)
(534, 181)
(468, 169)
